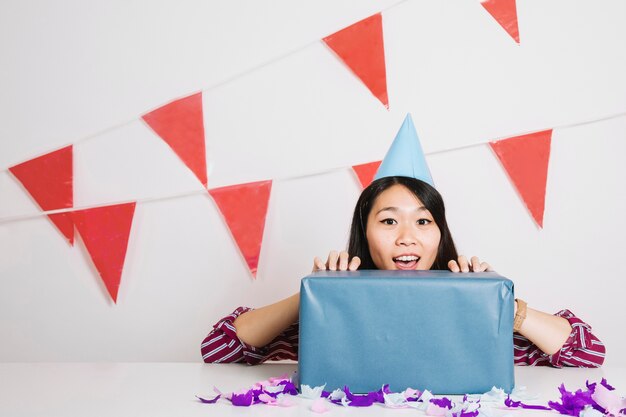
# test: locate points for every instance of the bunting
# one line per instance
(365, 172)
(244, 207)
(50, 182)
(361, 47)
(505, 13)
(181, 125)
(105, 232)
(525, 159)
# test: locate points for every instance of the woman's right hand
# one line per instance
(474, 265)
(337, 261)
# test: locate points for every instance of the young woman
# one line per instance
(399, 223)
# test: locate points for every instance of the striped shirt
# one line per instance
(581, 349)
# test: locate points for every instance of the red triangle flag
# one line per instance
(505, 13)
(244, 207)
(181, 125)
(105, 232)
(63, 222)
(366, 172)
(49, 180)
(360, 46)
(525, 159)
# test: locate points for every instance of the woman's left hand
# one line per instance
(474, 265)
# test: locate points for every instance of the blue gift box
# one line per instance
(450, 333)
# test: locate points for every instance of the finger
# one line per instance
(331, 264)
(453, 266)
(354, 263)
(482, 267)
(343, 261)
(486, 267)
(475, 264)
(318, 264)
(463, 264)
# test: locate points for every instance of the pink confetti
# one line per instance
(319, 406)
(435, 410)
(598, 397)
(609, 400)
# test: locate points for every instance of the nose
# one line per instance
(406, 236)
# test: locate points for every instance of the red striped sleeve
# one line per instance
(222, 345)
(284, 346)
(581, 349)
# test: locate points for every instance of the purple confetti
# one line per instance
(572, 403)
(242, 400)
(467, 413)
(256, 393)
(606, 385)
(379, 396)
(211, 401)
(274, 395)
(335, 401)
(518, 404)
(591, 388)
(364, 400)
(412, 395)
(290, 388)
(442, 402)
(603, 382)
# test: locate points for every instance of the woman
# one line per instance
(399, 223)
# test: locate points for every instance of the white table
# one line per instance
(169, 389)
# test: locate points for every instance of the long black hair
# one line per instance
(432, 200)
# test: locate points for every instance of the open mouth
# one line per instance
(406, 261)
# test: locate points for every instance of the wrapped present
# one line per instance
(450, 333)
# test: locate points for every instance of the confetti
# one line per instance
(211, 401)
(596, 400)
(312, 393)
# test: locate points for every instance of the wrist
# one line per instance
(520, 314)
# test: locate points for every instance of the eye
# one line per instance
(388, 222)
(424, 222)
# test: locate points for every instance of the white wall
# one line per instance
(278, 104)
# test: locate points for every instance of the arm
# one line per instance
(261, 326)
(559, 340)
(581, 348)
(546, 331)
(223, 345)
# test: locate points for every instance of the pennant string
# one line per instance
(214, 86)
(528, 132)
(29, 216)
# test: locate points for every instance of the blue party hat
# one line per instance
(405, 157)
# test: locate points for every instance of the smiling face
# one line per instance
(401, 232)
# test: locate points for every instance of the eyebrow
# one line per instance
(395, 209)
